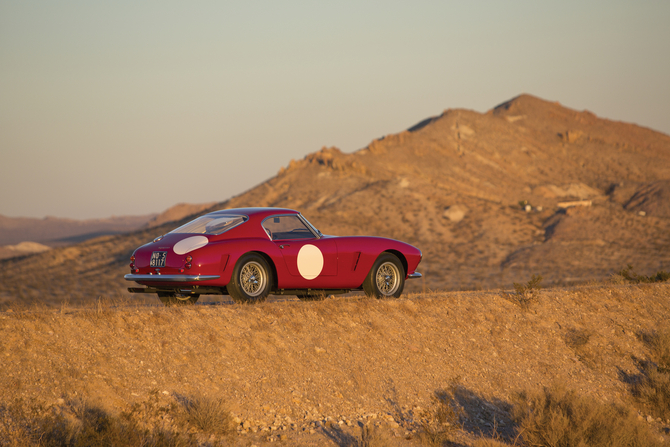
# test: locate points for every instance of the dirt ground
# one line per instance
(313, 373)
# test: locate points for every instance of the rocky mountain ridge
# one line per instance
(529, 187)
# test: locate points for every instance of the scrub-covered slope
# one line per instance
(529, 187)
(483, 195)
(311, 372)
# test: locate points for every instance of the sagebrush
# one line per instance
(525, 294)
(654, 387)
(629, 275)
(556, 416)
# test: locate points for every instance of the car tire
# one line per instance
(386, 278)
(251, 280)
(174, 299)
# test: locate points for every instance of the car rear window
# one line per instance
(211, 224)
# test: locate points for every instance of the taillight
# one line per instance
(189, 258)
(188, 265)
(132, 262)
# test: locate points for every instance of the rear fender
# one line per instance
(237, 248)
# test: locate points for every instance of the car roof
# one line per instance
(256, 212)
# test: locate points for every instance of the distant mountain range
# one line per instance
(529, 187)
(54, 231)
(20, 236)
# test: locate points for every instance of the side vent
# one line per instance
(357, 256)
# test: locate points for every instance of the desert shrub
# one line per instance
(78, 424)
(577, 338)
(149, 409)
(16, 427)
(209, 415)
(654, 387)
(439, 422)
(372, 436)
(557, 417)
(629, 275)
(525, 294)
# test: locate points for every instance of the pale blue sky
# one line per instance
(124, 107)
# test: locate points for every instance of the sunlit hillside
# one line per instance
(529, 188)
(333, 372)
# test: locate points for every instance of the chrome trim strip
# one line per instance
(414, 275)
(169, 278)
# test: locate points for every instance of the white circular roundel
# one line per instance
(310, 261)
(189, 244)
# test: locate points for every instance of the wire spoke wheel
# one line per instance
(253, 278)
(251, 281)
(387, 278)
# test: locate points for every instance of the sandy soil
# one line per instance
(313, 372)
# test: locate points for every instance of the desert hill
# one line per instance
(22, 249)
(452, 185)
(529, 187)
(311, 374)
(17, 234)
(55, 231)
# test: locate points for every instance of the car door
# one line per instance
(311, 260)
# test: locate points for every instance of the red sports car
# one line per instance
(249, 253)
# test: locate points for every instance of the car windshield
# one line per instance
(211, 224)
(314, 229)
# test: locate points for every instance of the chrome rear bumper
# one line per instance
(411, 275)
(169, 278)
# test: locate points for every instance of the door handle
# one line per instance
(284, 245)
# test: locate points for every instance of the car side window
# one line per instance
(286, 227)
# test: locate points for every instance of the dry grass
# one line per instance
(441, 420)
(372, 436)
(486, 442)
(557, 417)
(343, 359)
(78, 422)
(209, 415)
(654, 387)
